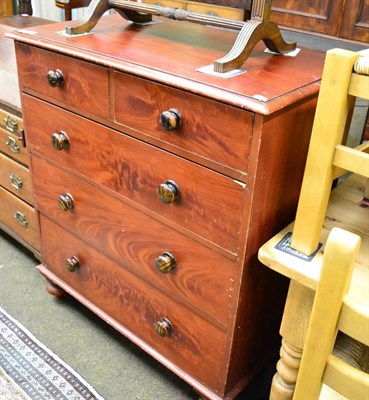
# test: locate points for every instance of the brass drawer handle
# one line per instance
(11, 124)
(72, 263)
(165, 262)
(60, 141)
(168, 192)
(16, 181)
(55, 78)
(21, 219)
(171, 120)
(163, 327)
(12, 144)
(66, 202)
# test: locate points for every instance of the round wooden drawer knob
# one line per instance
(55, 78)
(66, 202)
(171, 120)
(168, 192)
(165, 262)
(72, 263)
(60, 141)
(163, 327)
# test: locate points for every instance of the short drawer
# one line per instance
(191, 272)
(215, 10)
(181, 4)
(137, 171)
(13, 145)
(210, 129)
(20, 217)
(83, 85)
(194, 344)
(16, 178)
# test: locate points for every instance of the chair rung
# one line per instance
(359, 86)
(346, 379)
(353, 319)
(351, 160)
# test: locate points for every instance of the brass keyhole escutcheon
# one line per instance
(60, 141)
(163, 327)
(66, 202)
(171, 120)
(168, 192)
(72, 263)
(55, 78)
(165, 262)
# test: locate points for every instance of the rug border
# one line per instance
(52, 354)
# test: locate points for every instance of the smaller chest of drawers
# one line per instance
(17, 213)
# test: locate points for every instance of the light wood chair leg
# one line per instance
(293, 330)
(283, 383)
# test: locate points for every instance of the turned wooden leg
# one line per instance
(293, 331)
(283, 383)
(55, 290)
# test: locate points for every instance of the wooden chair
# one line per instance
(69, 5)
(295, 251)
(327, 157)
(334, 310)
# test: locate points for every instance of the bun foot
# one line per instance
(55, 290)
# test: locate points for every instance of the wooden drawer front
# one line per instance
(214, 10)
(195, 345)
(194, 6)
(135, 170)
(167, 3)
(12, 145)
(19, 217)
(11, 123)
(209, 129)
(15, 178)
(85, 84)
(202, 277)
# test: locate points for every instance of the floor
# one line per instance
(112, 364)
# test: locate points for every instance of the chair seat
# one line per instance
(345, 196)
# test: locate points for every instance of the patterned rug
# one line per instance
(30, 371)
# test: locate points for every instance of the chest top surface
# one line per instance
(171, 52)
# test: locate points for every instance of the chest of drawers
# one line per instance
(17, 214)
(155, 185)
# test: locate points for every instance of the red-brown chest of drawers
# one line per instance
(157, 230)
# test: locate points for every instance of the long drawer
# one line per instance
(77, 83)
(201, 276)
(15, 178)
(19, 217)
(139, 171)
(207, 128)
(135, 304)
